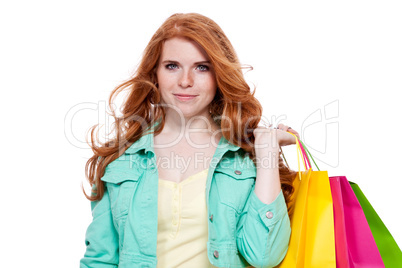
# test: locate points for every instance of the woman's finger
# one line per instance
(287, 139)
(282, 127)
(294, 132)
(288, 129)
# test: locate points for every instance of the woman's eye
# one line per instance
(203, 68)
(171, 66)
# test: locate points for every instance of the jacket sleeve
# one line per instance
(263, 231)
(101, 238)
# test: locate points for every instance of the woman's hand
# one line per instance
(267, 144)
(270, 139)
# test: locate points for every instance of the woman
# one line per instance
(190, 179)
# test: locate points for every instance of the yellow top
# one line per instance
(183, 223)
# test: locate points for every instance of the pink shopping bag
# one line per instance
(354, 243)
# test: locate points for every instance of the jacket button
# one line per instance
(238, 172)
(211, 218)
(269, 214)
(216, 254)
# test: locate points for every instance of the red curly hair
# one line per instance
(234, 108)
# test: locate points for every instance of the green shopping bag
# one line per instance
(389, 250)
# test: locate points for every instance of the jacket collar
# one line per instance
(146, 142)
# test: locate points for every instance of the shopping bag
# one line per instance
(312, 242)
(342, 255)
(355, 244)
(389, 250)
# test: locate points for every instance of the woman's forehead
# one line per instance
(181, 48)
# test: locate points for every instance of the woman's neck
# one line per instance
(190, 129)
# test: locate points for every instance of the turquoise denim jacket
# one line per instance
(242, 230)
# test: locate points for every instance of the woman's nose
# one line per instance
(186, 79)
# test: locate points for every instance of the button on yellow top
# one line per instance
(183, 223)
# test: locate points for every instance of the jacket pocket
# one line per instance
(234, 185)
(121, 185)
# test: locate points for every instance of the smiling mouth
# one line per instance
(184, 97)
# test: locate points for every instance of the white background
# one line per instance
(60, 60)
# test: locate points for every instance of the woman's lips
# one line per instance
(184, 97)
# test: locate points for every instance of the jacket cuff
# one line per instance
(268, 213)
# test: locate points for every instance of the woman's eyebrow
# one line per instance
(170, 61)
(195, 63)
(202, 62)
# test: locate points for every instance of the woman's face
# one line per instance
(186, 78)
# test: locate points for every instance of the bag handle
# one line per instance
(301, 151)
(310, 156)
(305, 157)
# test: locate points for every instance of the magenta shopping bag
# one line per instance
(341, 248)
(354, 242)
